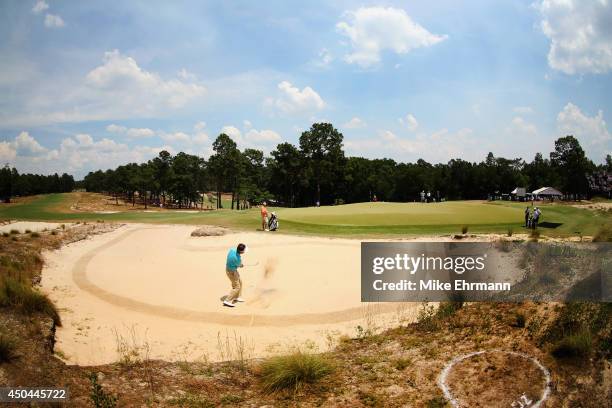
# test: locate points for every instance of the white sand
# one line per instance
(22, 226)
(158, 285)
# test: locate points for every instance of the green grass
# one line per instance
(360, 220)
(416, 214)
(292, 371)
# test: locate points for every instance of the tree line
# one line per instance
(318, 171)
(14, 184)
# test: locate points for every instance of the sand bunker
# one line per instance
(156, 286)
(23, 226)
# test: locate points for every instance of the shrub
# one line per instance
(402, 363)
(7, 348)
(604, 234)
(28, 231)
(5, 234)
(437, 402)
(14, 231)
(289, 372)
(35, 235)
(14, 238)
(579, 344)
(53, 232)
(98, 396)
(447, 309)
(464, 229)
(520, 320)
(24, 298)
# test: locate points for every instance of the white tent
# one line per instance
(519, 191)
(547, 192)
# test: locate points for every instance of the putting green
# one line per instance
(370, 214)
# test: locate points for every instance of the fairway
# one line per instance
(351, 220)
(371, 214)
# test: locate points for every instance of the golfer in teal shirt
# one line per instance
(233, 262)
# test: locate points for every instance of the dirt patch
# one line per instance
(496, 378)
(594, 206)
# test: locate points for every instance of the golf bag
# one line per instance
(273, 223)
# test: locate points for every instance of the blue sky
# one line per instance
(88, 85)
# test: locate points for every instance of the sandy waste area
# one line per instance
(156, 290)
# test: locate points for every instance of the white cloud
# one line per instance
(523, 110)
(323, 60)
(579, 33)
(410, 122)
(140, 133)
(76, 155)
(436, 147)
(523, 128)
(354, 123)
(121, 76)
(199, 126)
(373, 30)
(25, 144)
(520, 138)
(117, 89)
(134, 133)
(7, 153)
(116, 128)
(294, 100)
(53, 21)
(40, 6)
(186, 75)
(232, 132)
(200, 136)
(252, 138)
(591, 131)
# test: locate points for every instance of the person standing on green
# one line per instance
(233, 262)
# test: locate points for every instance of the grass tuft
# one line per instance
(520, 320)
(579, 344)
(292, 371)
(7, 349)
(99, 397)
(604, 234)
(21, 296)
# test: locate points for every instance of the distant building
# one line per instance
(519, 193)
(547, 192)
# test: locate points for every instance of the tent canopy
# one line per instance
(519, 191)
(547, 191)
